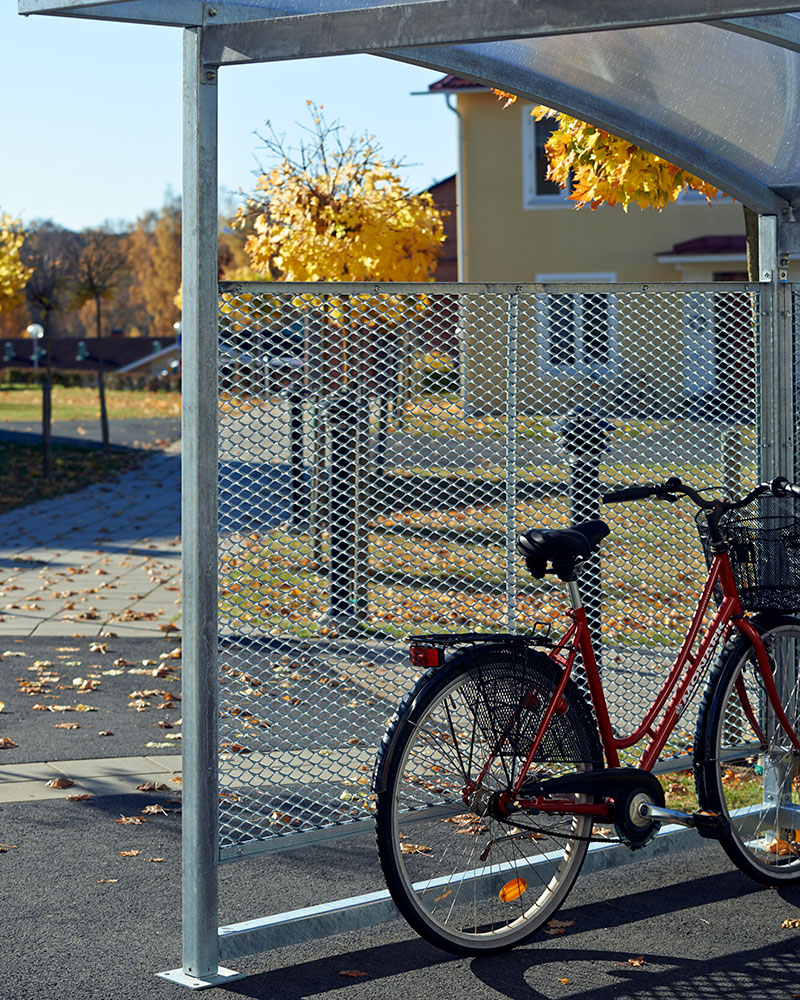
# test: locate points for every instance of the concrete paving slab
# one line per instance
(100, 767)
(35, 771)
(112, 776)
(36, 791)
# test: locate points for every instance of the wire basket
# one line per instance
(765, 556)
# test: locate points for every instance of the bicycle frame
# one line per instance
(669, 704)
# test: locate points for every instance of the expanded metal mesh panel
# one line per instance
(380, 448)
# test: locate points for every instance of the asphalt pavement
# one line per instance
(90, 862)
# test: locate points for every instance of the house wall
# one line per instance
(506, 242)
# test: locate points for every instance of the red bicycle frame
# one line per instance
(671, 700)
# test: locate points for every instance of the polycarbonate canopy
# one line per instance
(719, 98)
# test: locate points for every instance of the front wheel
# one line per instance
(747, 767)
(467, 877)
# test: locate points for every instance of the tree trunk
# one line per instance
(101, 385)
(47, 408)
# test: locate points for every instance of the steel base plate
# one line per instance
(182, 978)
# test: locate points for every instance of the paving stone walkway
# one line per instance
(106, 558)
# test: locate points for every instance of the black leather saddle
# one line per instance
(565, 548)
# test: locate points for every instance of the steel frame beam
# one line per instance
(453, 22)
(776, 29)
(175, 13)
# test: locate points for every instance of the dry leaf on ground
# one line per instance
(414, 849)
(60, 782)
(352, 973)
(791, 922)
(78, 798)
(103, 881)
(6, 743)
(155, 859)
(129, 854)
(66, 725)
(152, 786)
(154, 810)
(7, 847)
(558, 926)
(636, 961)
(565, 982)
(133, 820)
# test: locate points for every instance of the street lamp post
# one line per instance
(35, 331)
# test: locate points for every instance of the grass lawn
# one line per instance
(21, 479)
(24, 403)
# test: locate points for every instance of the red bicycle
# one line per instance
(496, 766)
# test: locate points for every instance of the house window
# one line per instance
(577, 331)
(537, 190)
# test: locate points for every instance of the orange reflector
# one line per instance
(513, 890)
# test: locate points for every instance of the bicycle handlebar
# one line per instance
(671, 488)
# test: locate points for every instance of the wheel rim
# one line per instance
(472, 877)
(758, 781)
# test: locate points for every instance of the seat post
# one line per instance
(574, 594)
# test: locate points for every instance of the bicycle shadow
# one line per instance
(767, 973)
(413, 968)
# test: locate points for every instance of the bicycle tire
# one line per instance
(736, 771)
(459, 875)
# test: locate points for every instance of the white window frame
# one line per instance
(581, 367)
(531, 198)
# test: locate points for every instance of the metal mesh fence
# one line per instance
(380, 448)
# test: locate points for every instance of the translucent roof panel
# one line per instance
(718, 102)
(713, 100)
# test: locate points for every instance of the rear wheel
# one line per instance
(467, 877)
(747, 768)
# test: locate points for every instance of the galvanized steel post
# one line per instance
(199, 523)
(775, 381)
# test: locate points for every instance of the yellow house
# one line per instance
(590, 347)
(517, 226)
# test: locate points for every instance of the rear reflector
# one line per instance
(425, 656)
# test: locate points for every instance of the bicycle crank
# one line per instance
(634, 792)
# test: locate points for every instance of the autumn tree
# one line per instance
(44, 252)
(154, 258)
(99, 265)
(14, 273)
(603, 169)
(333, 210)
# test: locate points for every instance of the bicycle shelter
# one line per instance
(272, 493)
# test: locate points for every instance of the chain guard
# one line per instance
(629, 787)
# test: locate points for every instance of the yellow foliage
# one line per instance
(340, 213)
(604, 169)
(14, 274)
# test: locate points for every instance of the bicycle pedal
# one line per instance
(712, 825)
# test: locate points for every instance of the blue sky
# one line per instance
(91, 116)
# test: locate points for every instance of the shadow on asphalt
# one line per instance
(768, 971)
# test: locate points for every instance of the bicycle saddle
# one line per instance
(561, 546)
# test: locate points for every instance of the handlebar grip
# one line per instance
(781, 487)
(629, 493)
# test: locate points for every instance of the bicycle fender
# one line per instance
(435, 675)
